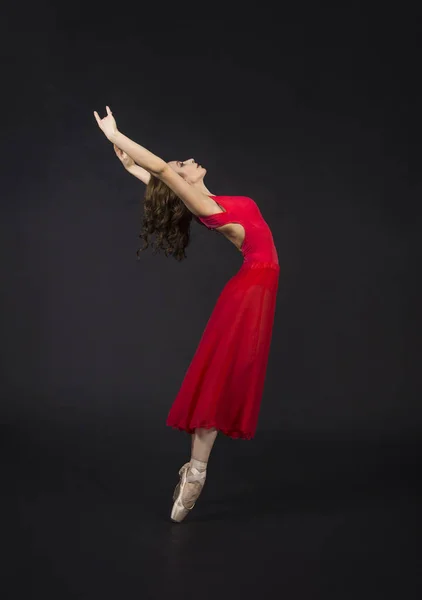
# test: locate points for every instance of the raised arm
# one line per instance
(131, 167)
(197, 202)
(139, 173)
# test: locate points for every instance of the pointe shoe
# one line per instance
(187, 491)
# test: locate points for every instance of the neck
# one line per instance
(200, 185)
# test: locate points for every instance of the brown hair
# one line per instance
(166, 216)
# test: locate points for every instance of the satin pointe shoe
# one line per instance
(187, 491)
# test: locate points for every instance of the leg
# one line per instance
(193, 473)
(202, 443)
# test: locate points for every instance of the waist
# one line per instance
(260, 265)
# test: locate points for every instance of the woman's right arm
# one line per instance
(140, 173)
(131, 167)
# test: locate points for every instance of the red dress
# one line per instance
(224, 382)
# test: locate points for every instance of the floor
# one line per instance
(87, 516)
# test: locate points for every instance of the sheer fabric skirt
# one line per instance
(224, 383)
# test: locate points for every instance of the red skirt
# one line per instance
(224, 383)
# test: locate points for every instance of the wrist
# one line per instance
(113, 137)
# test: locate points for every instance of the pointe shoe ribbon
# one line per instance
(195, 474)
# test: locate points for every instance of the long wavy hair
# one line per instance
(166, 217)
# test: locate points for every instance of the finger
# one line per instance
(97, 117)
(108, 110)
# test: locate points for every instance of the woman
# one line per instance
(223, 386)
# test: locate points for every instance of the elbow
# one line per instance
(158, 168)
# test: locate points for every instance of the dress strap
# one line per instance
(218, 219)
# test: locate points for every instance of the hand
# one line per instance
(107, 125)
(126, 160)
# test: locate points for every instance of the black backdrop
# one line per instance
(315, 114)
(315, 118)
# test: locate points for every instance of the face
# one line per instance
(190, 170)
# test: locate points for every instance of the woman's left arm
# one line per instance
(195, 200)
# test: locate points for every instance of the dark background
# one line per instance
(313, 112)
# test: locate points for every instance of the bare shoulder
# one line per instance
(212, 207)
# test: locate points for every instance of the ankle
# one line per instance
(200, 465)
